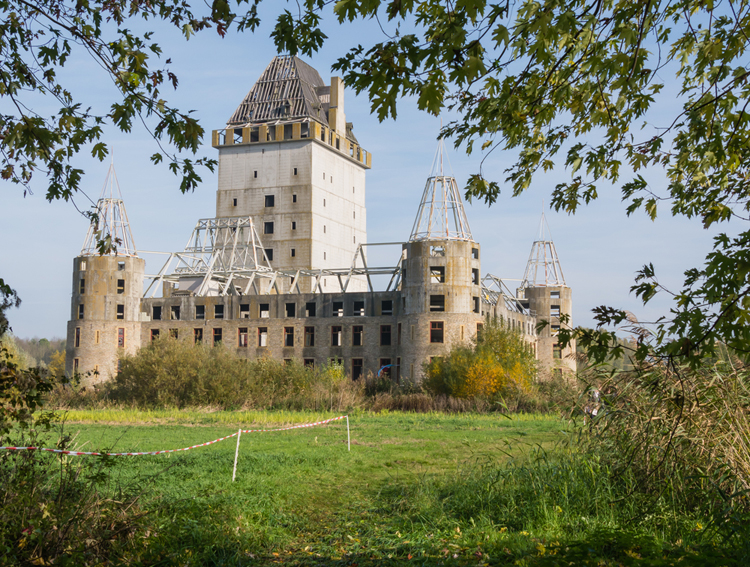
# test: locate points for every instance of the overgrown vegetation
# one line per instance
(498, 364)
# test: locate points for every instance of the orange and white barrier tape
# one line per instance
(133, 454)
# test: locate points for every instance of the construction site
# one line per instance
(281, 270)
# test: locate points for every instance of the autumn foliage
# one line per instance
(497, 364)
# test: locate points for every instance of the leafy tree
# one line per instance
(564, 83)
(495, 365)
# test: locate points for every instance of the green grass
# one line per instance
(423, 489)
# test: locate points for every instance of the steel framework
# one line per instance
(441, 214)
(494, 290)
(225, 256)
(543, 267)
(110, 224)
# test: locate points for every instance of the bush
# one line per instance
(498, 365)
(171, 373)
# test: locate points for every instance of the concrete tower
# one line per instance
(440, 283)
(107, 290)
(550, 298)
(289, 159)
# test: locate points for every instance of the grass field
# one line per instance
(424, 489)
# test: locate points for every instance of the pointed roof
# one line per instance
(441, 214)
(543, 267)
(110, 225)
(288, 89)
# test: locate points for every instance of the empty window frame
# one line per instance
(436, 331)
(386, 307)
(217, 336)
(294, 225)
(154, 334)
(554, 310)
(437, 303)
(175, 312)
(82, 286)
(437, 250)
(359, 308)
(555, 329)
(77, 342)
(234, 202)
(291, 309)
(294, 198)
(200, 311)
(358, 335)
(474, 276)
(82, 265)
(309, 336)
(120, 287)
(268, 227)
(477, 307)
(269, 254)
(76, 362)
(255, 174)
(120, 312)
(294, 252)
(198, 336)
(121, 337)
(556, 351)
(385, 335)
(475, 253)
(358, 366)
(244, 310)
(218, 311)
(336, 335)
(263, 310)
(437, 274)
(480, 329)
(338, 308)
(554, 294)
(120, 266)
(309, 363)
(288, 336)
(310, 309)
(156, 313)
(295, 171)
(269, 201)
(262, 336)
(174, 334)
(242, 337)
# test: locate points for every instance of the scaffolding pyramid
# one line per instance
(110, 224)
(441, 214)
(543, 268)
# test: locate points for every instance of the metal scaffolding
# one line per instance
(225, 256)
(109, 231)
(441, 214)
(543, 267)
(494, 291)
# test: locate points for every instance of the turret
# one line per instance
(107, 290)
(549, 296)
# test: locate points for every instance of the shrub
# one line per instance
(497, 365)
(172, 373)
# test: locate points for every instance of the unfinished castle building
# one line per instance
(281, 270)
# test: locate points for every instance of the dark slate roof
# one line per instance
(288, 89)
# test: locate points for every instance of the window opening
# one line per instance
(385, 335)
(288, 336)
(554, 294)
(269, 254)
(385, 367)
(77, 338)
(197, 336)
(294, 225)
(200, 311)
(475, 276)
(475, 253)
(120, 266)
(358, 332)
(476, 304)
(262, 336)
(437, 250)
(80, 311)
(268, 228)
(359, 308)
(291, 309)
(309, 363)
(437, 274)
(154, 334)
(554, 310)
(436, 331)
(263, 310)
(357, 368)
(242, 337)
(218, 311)
(217, 336)
(120, 287)
(386, 307)
(437, 303)
(269, 200)
(156, 314)
(309, 336)
(173, 334)
(175, 313)
(295, 171)
(294, 252)
(338, 308)
(294, 198)
(244, 310)
(336, 335)
(82, 286)
(310, 309)
(121, 337)
(121, 312)
(234, 202)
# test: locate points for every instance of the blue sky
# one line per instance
(600, 248)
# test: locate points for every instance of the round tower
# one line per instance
(107, 290)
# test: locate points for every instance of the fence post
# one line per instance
(236, 453)
(348, 437)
